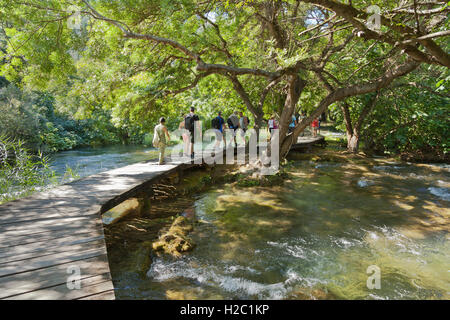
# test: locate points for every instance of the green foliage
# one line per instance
(410, 117)
(410, 122)
(21, 172)
(116, 88)
(32, 118)
(70, 174)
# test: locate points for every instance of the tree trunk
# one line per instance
(354, 132)
(341, 93)
(352, 137)
(353, 143)
(258, 124)
(295, 88)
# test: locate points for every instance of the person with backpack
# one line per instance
(233, 123)
(159, 138)
(244, 121)
(292, 124)
(322, 119)
(218, 123)
(189, 124)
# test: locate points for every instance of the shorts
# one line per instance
(192, 136)
(219, 135)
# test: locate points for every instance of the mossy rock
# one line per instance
(275, 180)
(206, 180)
(251, 179)
(248, 182)
(174, 244)
(181, 226)
(175, 240)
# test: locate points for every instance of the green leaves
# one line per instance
(21, 172)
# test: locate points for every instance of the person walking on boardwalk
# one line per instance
(300, 119)
(190, 121)
(218, 123)
(160, 138)
(315, 126)
(272, 124)
(233, 123)
(293, 123)
(243, 123)
(184, 136)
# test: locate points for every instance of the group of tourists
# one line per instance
(234, 122)
(159, 137)
(272, 123)
(189, 121)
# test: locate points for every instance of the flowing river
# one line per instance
(314, 237)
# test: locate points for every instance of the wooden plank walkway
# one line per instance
(44, 236)
(307, 142)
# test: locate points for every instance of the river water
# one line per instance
(314, 237)
(88, 161)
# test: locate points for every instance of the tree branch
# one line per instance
(436, 54)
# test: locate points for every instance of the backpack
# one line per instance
(189, 123)
(230, 123)
(216, 123)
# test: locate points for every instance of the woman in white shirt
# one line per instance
(161, 131)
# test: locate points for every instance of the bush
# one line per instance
(31, 117)
(21, 173)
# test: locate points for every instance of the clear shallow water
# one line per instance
(88, 161)
(312, 238)
(79, 163)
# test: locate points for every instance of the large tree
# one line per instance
(262, 47)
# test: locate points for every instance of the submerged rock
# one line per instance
(189, 213)
(311, 294)
(141, 258)
(442, 193)
(175, 241)
(363, 183)
(255, 179)
(130, 206)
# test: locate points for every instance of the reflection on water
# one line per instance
(313, 238)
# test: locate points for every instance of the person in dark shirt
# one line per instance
(233, 123)
(190, 122)
(220, 127)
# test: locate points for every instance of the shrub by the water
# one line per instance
(21, 172)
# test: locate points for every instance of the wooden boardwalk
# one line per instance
(307, 142)
(47, 237)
